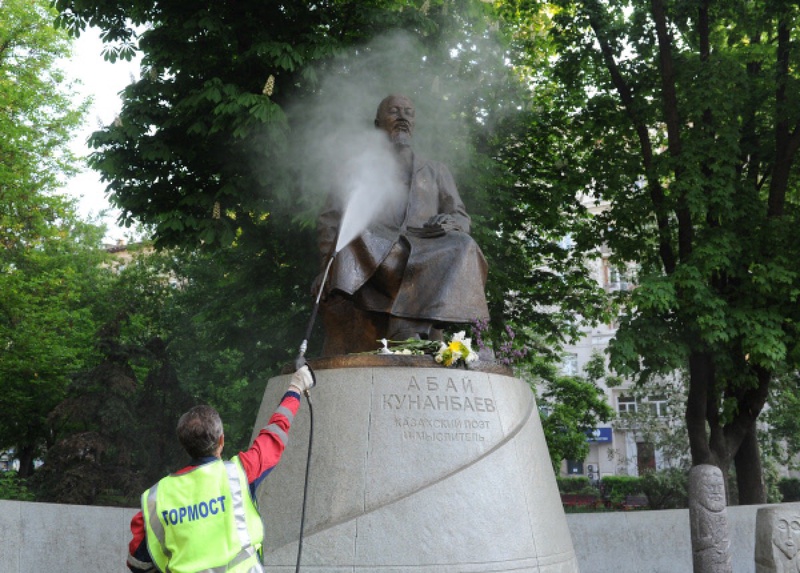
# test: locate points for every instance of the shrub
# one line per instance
(11, 487)
(617, 488)
(666, 489)
(790, 489)
(572, 484)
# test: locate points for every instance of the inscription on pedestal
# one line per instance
(439, 409)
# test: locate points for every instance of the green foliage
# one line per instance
(790, 489)
(230, 329)
(569, 407)
(13, 488)
(576, 485)
(659, 419)
(681, 134)
(46, 324)
(38, 115)
(177, 332)
(197, 129)
(772, 480)
(666, 489)
(617, 488)
(114, 428)
(49, 260)
(782, 438)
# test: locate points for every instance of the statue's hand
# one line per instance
(444, 220)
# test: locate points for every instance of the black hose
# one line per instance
(300, 361)
(305, 485)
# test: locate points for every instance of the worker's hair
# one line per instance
(199, 431)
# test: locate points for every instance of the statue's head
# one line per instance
(786, 534)
(395, 116)
(713, 496)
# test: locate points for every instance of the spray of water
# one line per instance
(357, 215)
(368, 186)
(336, 149)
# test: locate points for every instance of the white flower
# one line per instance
(385, 349)
(471, 355)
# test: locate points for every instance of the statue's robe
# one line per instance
(440, 277)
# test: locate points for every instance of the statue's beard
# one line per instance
(401, 139)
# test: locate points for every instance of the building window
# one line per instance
(626, 405)
(598, 340)
(617, 279)
(657, 405)
(575, 467)
(569, 364)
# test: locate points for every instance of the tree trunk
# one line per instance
(749, 474)
(701, 374)
(26, 455)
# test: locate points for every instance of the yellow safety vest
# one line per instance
(204, 521)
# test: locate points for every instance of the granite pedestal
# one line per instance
(415, 468)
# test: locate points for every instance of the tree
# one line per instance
(684, 125)
(38, 114)
(49, 261)
(781, 434)
(46, 327)
(228, 329)
(196, 151)
(570, 407)
(114, 428)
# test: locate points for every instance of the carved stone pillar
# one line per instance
(709, 520)
(778, 539)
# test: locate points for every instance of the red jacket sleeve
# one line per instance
(138, 557)
(267, 448)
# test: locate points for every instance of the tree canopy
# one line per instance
(685, 125)
(49, 261)
(570, 407)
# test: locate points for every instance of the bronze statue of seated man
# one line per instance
(414, 268)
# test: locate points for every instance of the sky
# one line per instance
(102, 81)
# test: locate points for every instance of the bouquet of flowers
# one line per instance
(456, 352)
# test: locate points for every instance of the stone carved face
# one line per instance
(713, 497)
(396, 117)
(786, 535)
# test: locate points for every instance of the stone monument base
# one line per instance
(415, 468)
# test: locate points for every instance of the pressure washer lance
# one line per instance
(299, 362)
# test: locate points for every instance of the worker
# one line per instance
(204, 517)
